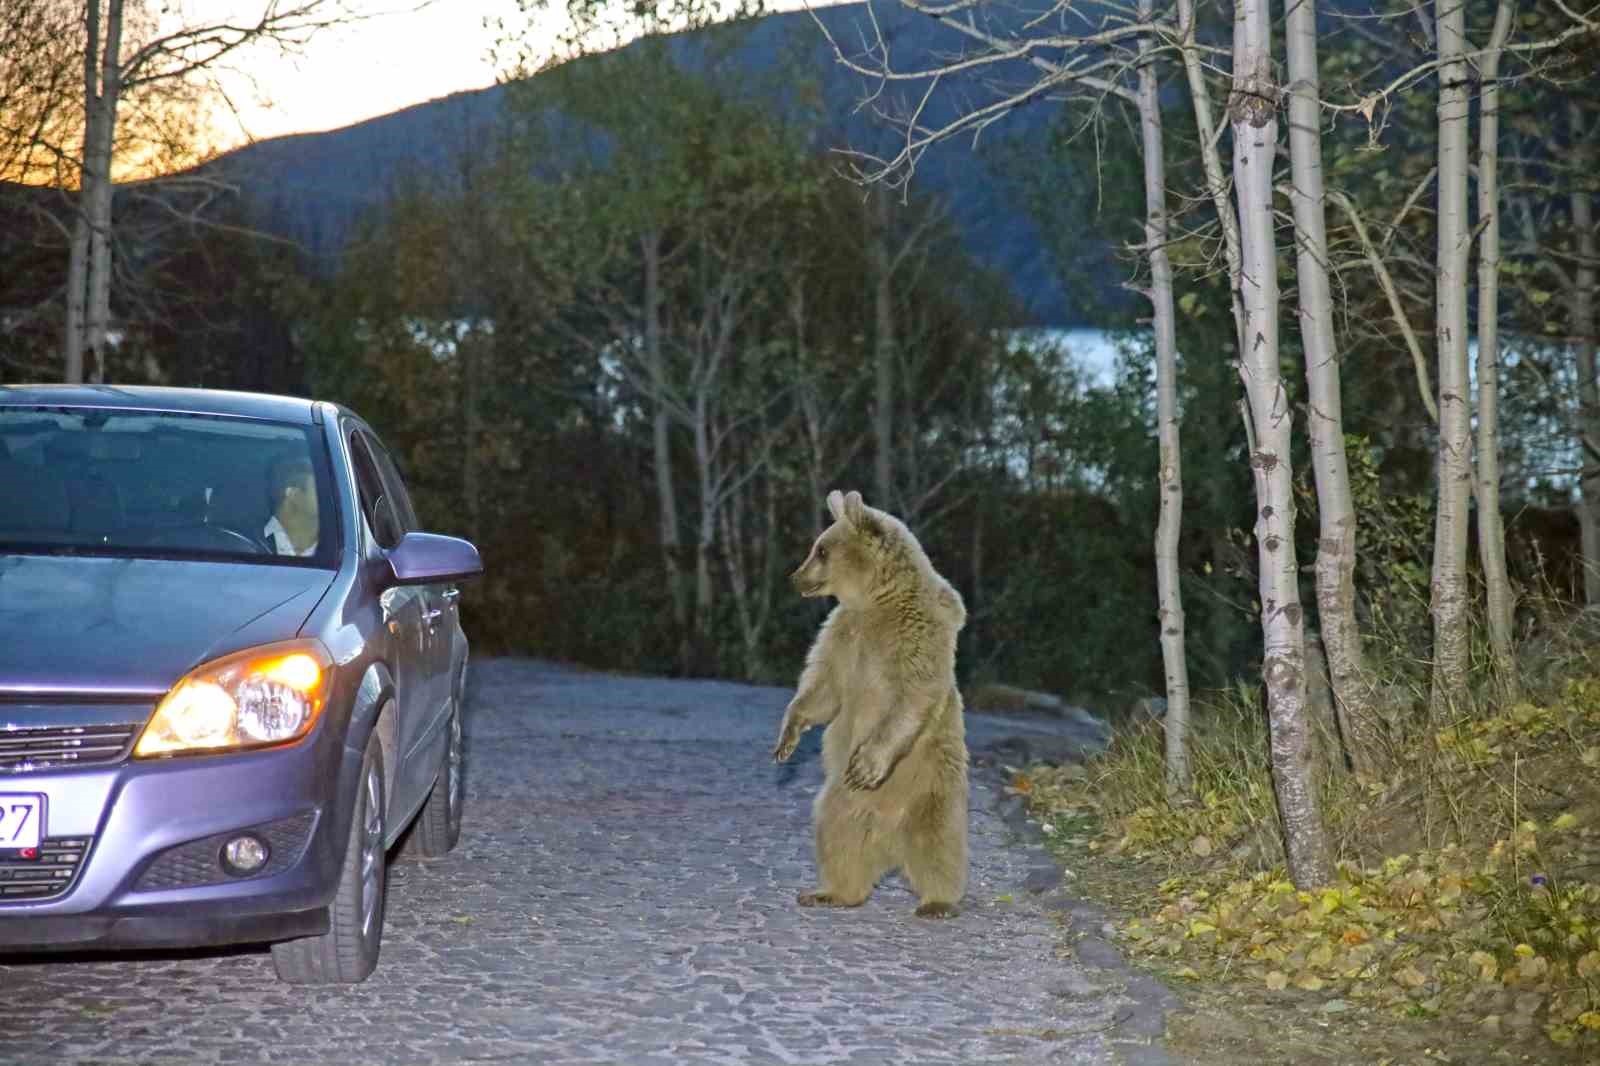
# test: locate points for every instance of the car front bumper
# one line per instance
(146, 838)
(79, 933)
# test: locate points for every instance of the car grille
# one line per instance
(22, 750)
(51, 874)
(198, 861)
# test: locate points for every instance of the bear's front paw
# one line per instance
(868, 768)
(788, 740)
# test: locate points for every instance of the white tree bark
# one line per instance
(1354, 702)
(1169, 592)
(1252, 110)
(1491, 527)
(89, 257)
(1451, 592)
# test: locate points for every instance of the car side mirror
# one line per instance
(429, 558)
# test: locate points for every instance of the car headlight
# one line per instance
(264, 696)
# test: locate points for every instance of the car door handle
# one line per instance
(432, 617)
(451, 595)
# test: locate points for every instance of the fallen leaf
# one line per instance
(1309, 981)
(1277, 980)
(1534, 968)
(1201, 846)
(1411, 977)
(1487, 966)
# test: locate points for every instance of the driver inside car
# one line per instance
(292, 529)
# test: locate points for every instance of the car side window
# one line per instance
(395, 486)
(376, 505)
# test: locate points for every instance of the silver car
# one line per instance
(231, 675)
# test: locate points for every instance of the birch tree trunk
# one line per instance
(1583, 329)
(1169, 593)
(1450, 592)
(1354, 701)
(1252, 109)
(666, 496)
(1491, 527)
(89, 257)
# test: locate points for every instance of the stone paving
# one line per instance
(624, 893)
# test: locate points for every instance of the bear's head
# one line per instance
(845, 560)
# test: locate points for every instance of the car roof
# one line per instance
(160, 398)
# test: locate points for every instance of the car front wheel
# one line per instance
(348, 952)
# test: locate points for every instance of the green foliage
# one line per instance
(1463, 891)
(1394, 553)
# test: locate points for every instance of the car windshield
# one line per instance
(112, 482)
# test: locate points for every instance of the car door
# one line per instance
(402, 607)
(422, 737)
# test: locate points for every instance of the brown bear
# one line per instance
(881, 677)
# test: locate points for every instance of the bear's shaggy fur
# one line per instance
(881, 677)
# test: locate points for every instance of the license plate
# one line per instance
(21, 819)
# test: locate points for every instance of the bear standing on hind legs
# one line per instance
(881, 677)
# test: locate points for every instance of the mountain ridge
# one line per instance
(313, 187)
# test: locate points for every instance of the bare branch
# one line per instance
(1396, 308)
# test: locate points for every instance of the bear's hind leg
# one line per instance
(935, 858)
(850, 858)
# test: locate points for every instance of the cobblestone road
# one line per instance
(624, 893)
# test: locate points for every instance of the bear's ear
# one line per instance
(836, 504)
(863, 518)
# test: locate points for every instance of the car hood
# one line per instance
(85, 627)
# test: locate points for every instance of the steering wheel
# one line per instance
(223, 538)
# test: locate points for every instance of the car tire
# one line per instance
(348, 952)
(438, 824)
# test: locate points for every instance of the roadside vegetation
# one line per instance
(1463, 919)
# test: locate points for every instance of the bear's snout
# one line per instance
(804, 582)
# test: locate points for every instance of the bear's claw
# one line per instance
(937, 910)
(864, 771)
(823, 899)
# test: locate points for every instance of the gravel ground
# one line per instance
(624, 893)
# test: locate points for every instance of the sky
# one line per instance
(398, 57)
(400, 53)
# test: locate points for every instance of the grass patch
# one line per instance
(1467, 893)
